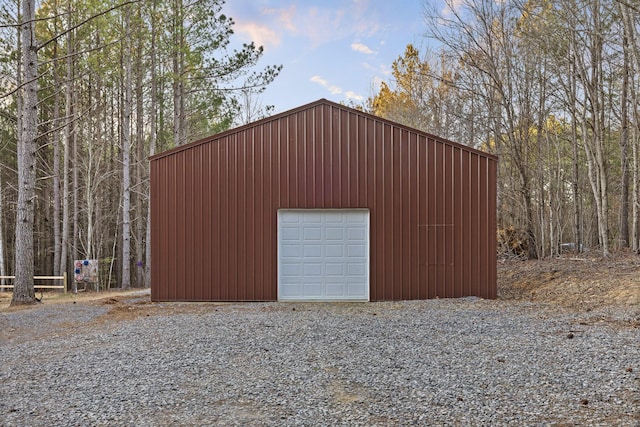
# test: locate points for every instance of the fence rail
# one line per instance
(63, 278)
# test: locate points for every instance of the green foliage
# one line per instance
(212, 73)
(208, 82)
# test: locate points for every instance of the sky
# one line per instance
(335, 49)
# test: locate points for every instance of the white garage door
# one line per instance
(323, 255)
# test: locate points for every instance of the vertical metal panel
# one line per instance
(492, 227)
(475, 235)
(413, 210)
(466, 240)
(457, 200)
(214, 206)
(423, 197)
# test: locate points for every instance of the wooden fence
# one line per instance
(63, 278)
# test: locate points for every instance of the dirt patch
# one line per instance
(133, 306)
(125, 309)
(581, 282)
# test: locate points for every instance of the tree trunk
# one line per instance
(543, 201)
(57, 242)
(23, 291)
(575, 159)
(3, 271)
(126, 147)
(140, 224)
(532, 246)
(624, 196)
(152, 143)
(68, 113)
(593, 119)
(76, 190)
(635, 211)
(623, 224)
(633, 67)
(88, 201)
(179, 114)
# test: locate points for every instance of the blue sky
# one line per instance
(331, 49)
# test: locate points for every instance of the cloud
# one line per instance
(335, 90)
(321, 25)
(260, 34)
(362, 48)
(285, 17)
(317, 25)
(352, 95)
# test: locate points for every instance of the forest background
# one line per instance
(551, 87)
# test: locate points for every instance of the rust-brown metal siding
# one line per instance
(214, 206)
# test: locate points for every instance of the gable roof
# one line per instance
(321, 101)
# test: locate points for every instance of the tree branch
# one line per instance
(33, 20)
(17, 88)
(8, 116)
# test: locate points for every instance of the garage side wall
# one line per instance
(214, 206)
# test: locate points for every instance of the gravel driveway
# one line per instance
(440, 362)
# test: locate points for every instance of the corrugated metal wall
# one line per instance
(214, 206)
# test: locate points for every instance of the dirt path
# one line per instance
(57, 297)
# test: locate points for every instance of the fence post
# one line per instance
(64, 281)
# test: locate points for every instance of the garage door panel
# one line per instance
(291, 270)
(357, 218)
(312, 290)
(355, 289)
(290, 234)
(333, 217)
(312, 269)
(289, 217)
(356, 233)
(312, 218)
(289, 290)
(314, 251)
(324, 253)
(312, 233)
(334, 250)
(335, 289)
(356, 251)
(333, 269)
(333, 233)
(355, 269)
(290, 250)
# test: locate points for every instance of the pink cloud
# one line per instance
(260, 34)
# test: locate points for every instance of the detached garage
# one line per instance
(322, 203)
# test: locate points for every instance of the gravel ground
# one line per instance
(440, 362)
